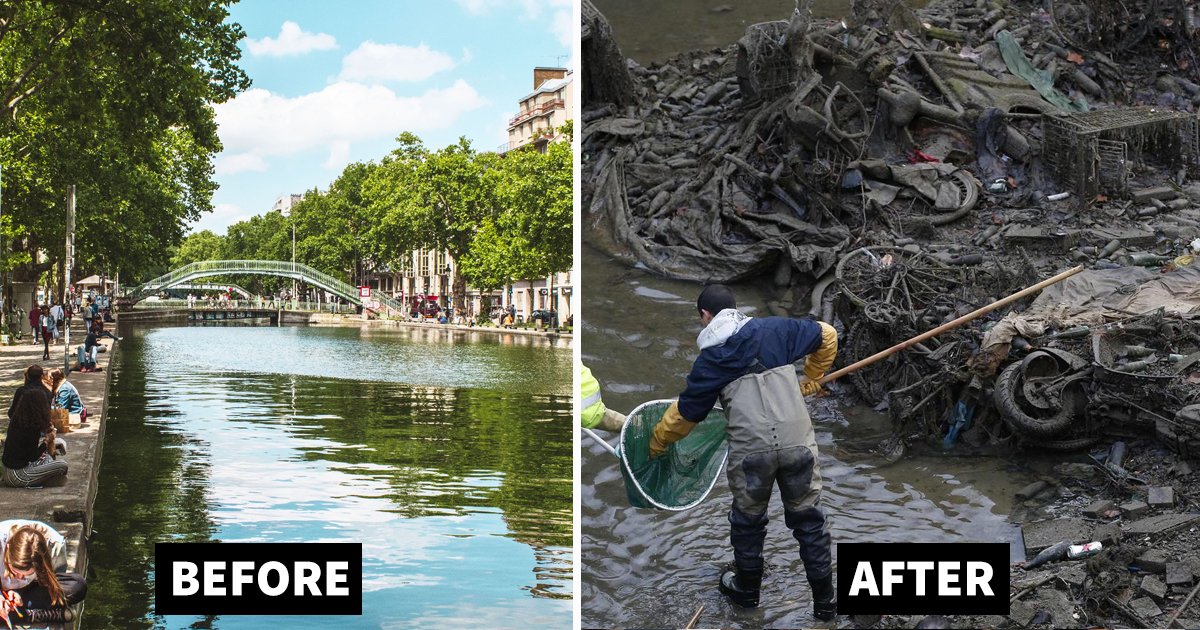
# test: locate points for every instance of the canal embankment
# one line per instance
(288, 318)
(66, 507)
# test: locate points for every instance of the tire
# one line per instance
(1005, 396)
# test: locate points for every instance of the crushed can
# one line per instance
(1079, 552)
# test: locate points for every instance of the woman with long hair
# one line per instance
(33, 574)
(34, 384)
(66, 396)
(31, 442)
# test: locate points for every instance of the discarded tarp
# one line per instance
(710, 239)
(1092, 298)
(1041, 80)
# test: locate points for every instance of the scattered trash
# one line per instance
(1079, 552)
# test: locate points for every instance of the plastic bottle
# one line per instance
(1079, 552)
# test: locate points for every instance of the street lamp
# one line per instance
(294, 286)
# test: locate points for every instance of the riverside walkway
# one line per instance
(68, 508)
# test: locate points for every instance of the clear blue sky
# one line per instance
(336, 82)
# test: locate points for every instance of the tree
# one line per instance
(334, 229)
(198, 246)
(433, 199)
(531, 235)
(114, 96)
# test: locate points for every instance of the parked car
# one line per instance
(548, 317)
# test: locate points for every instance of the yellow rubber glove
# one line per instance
(819, 361)
(612, 421)
(669, 430)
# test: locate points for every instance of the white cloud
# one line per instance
(339, 155)
(393, 62)
(292, 40)
(261, 123)
(562, 21)
(563, 25)
(240, 163)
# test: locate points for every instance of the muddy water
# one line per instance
(654, 31)
(650, 569)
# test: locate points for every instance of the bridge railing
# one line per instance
(203, 305)
(298, 271)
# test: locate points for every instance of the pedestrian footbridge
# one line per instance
(295, 271)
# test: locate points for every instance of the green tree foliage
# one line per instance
(198, 246)
(503, 218)
(115, 97)
(334, 229)
(531, 234)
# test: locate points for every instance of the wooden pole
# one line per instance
(1184, 605)
(949, 325)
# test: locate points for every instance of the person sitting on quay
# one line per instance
(66, 395)
(35, 384)
(37, 588)
(28, 459)
(91, 345)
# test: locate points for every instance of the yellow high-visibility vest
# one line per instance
(592, 408)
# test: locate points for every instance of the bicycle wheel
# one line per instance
(894, 276)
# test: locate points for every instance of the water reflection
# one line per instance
(459, 487)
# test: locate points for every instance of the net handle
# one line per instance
(602, 442)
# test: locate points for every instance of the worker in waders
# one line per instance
(594, 414)
(747, 363)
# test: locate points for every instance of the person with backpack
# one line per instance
(58, 313)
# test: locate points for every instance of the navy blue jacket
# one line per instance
(774, 341)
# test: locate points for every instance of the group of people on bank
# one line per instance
(48, 323)
(34, 584)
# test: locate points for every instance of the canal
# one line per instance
(447, 455)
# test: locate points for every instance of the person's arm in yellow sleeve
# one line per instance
(669, 430)
(819, 361)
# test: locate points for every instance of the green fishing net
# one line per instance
(681, 478)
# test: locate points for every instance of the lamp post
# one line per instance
(294, 287)
(446, 286)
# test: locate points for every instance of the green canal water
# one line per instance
(448, 456)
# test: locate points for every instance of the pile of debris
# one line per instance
(897, 169)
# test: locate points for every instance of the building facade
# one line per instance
(285, 202)
(544, 110)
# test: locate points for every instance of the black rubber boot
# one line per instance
(824, 606)
(742, 587)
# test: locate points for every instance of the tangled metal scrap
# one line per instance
(815, 152)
